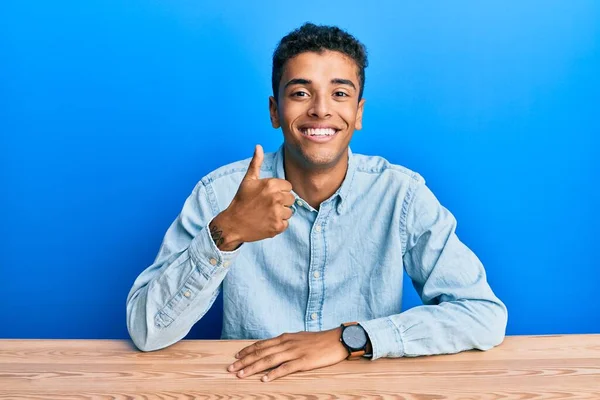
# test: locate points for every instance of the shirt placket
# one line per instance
(314, 309)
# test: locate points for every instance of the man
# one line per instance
(308, 244)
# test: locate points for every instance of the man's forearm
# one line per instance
(159, 305)
(447, 328)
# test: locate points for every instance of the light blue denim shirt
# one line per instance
(341, 263)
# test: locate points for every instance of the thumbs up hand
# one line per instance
(259, 210)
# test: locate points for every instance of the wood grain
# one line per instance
(523, 367)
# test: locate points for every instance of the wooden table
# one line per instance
(523, 367)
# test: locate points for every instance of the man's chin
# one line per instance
(321, 159)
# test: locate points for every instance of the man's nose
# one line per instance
(320, 107)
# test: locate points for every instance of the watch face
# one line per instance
(355, 337)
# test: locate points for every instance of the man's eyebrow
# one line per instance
(339, 81)
(297, 81)
(335, 81)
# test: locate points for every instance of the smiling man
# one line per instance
(309, 244)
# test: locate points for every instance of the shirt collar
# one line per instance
(343, 191)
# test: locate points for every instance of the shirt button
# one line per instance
(213, 261)
(299, 202)
(187, 293)
(318, 228)
(226, 264)
(313, 316)
(316, 274)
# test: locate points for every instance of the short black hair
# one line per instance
(318, 38)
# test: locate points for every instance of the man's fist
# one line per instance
(259, 210)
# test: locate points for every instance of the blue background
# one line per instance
(111, 111)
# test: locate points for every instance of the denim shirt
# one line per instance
(341, 263)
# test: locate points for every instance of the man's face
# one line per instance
(318, 108)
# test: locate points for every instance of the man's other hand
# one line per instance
(289, 353)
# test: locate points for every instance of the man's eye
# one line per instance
(341, 94)
(299, 94)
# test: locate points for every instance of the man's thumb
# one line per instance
(255, 164)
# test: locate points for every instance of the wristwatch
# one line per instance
(355, 340)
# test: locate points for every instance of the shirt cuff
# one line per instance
(207, 256)
(386, 339)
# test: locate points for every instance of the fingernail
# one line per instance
(237, 355)
(265, 378)
(230, 368)
(241, 372)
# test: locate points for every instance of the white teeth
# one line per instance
(319, 131)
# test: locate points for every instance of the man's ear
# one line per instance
(359, 115)
(273, 112)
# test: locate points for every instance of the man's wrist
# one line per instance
(223, 233)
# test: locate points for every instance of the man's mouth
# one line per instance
(318, 132)
(319, 135)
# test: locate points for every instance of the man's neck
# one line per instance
(315, 186)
